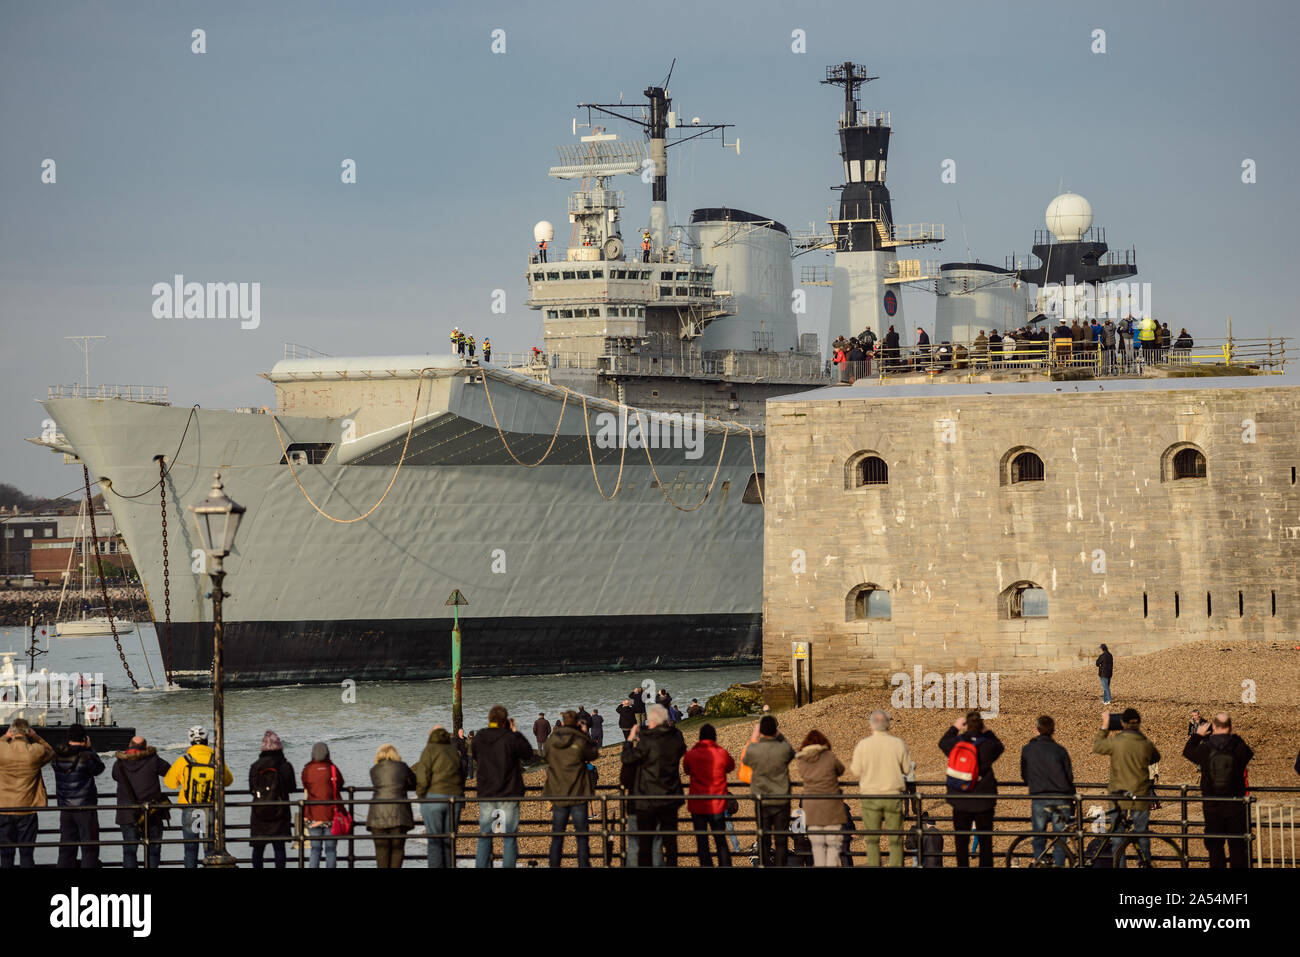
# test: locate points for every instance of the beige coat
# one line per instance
(821, 771)
(881, 763)
(21, 785)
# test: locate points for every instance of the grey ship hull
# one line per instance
(558, 579)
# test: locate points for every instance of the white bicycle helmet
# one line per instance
(198, 735)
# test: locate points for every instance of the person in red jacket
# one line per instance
(708, 765)
(323, 781)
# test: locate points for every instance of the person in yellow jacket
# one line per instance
(193, 775)
(1149, 336)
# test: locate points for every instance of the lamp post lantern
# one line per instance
(217, 520)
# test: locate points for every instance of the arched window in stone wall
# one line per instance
(1022, 464)
(868, 602)
(1024, 599)
(864, 469)
(1181, 462)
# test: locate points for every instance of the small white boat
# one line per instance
(97, 624)
(92, 628)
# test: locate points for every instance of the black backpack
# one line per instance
(267, 789)
(1220, 771)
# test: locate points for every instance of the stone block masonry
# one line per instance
(909, 525)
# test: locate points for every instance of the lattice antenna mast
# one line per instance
(849, 75)
(657, 121)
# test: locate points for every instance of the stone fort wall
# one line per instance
(1124, 551)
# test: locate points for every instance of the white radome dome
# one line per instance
(543, 232)
(1068, 217)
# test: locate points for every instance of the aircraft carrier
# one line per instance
(378, 485)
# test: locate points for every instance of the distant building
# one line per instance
(49, 533)
(998, 526)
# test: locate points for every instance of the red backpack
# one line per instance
(963, 766)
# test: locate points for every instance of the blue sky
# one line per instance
(225, 166)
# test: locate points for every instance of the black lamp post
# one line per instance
(217, 519)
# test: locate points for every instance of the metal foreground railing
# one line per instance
(1175, 838)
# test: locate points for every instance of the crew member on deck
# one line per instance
(541, 251)
(645, 246)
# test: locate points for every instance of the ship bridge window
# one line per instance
(666, 276)
(683, 291)
(645, 274)
(755, 490)
(683, 276)
(584, 273)
(537, 277)
(567, 274)
(552, 314)
(868, 170)
(855, 171)
(665, 290)
(552, 275)
(306, 453)
(566, 313)
(618, 274)
(598, 274)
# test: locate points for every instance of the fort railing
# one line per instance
(615, 830)
(1269, 355)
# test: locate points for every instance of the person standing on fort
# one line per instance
(22, 789)
(1105, 670)
(1222, 757)
(626, 717)
(891, 348)
(541, 729)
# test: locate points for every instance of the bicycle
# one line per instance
(1108, 848)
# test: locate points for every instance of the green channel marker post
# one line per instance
(457, 712)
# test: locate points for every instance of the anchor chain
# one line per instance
(103, 588)
(167, 584)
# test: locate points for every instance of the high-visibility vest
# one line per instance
(645, 243)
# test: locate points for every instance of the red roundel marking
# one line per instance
(891, 302)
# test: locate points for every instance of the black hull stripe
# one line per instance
(319, 652)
